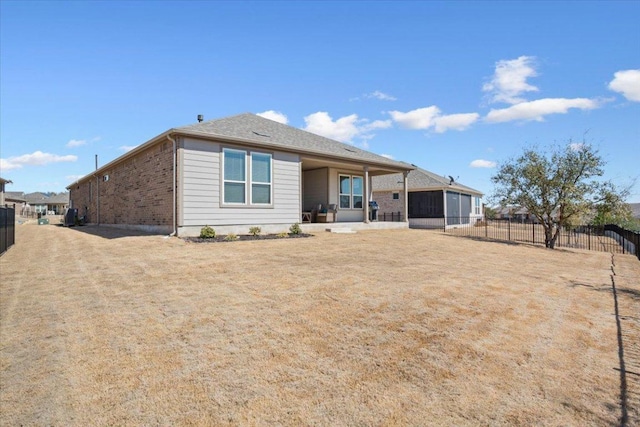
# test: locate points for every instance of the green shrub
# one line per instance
(207, 233)
(295, 228)
(282, 235)
(231, 237)
(255, 231)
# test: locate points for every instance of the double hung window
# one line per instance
(351, 192)
(247, 176)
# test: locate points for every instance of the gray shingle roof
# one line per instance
(418, 179)
(60, 198)
(18, 196)
(41, 198)
(635, 209)
(255, 129)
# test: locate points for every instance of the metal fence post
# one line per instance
(509, 230)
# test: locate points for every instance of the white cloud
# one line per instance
(127, 147)
(380, 95)
(420, 118)
(76, 143)
(427, 117)
(388, 156)
(344, 129)
(479, 163)
(627, 82)
(37, 158)
(377, 124)
(455, 121)
(80, 142)
(536, 110)
(276, 116)
(510, 80)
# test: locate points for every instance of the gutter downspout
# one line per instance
(97, 177)
(175, 228)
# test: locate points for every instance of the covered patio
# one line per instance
(338, 192)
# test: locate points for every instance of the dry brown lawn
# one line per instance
(100, 327)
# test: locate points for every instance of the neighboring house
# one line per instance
(2, 190)
(38, 203)
(230, 174)
(57, 203)
(516, 213)
(15, 198)
(433, 200)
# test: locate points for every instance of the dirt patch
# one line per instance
(404, 327)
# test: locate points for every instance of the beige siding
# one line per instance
(201, 185)
(316, 192)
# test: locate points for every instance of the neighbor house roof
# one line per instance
(250, 129)
(36, 198)
(635, 209)
(16, 196)
(419, 179)
(5, 181)
(59, 199)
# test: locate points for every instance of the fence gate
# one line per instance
(7, 227)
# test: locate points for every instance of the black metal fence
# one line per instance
(607, 238)
(7, 227)
(390, 217)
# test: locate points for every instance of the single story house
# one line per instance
(231, 174)
(44, 204)
(433, 200)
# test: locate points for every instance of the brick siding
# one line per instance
(387, 204)
(138, 191)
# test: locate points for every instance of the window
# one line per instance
(351, 192)
(234, 176)
(478, 207)
(260, 178)
(396, 196)
(238, 179)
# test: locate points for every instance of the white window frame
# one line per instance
(265, 183)
(248, 179)
(350, 194)
(225, 180)
(478, 206)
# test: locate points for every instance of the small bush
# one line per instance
(255, 231)
(295, 228)
(231, 237)
(282, 235)
(207, 233)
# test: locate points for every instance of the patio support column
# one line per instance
(367, 186)
(405, 185)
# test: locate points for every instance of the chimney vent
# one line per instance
(200, 117)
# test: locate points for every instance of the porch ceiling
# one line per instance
(309, 163)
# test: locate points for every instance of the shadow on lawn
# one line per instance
(109, 232)
(615, 291)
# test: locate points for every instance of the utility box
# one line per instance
(43, 221)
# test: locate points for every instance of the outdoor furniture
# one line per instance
(306, 216)
(327, 215)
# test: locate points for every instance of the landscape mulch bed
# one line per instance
(245, 237)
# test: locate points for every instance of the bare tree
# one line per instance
(559, 187)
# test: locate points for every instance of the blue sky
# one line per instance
(453, 87)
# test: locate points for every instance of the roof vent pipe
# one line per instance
(200, 117)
